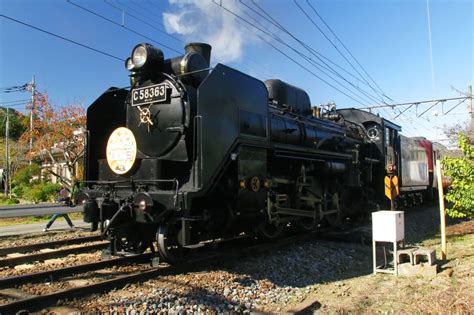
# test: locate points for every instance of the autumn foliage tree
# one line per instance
(57, 137)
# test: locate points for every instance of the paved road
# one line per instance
(38, 209)
(59, 224)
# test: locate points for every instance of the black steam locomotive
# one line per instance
(191, 154)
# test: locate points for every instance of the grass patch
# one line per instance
(35, 219)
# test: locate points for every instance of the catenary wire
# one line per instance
(319, 55)
(140, 19)
(285, 54)
(340, 52)
(8, 104)
(363, 69)
(348, 51)
(283, 29)
(333, 44)
(247, 23)
(355, 59)
(273, 21)
(122, 26)
(62, 37)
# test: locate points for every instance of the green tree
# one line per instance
(461, 172)
(26, 174)
(18, 123)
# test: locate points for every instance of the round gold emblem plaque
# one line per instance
(255, 184)
(121, 150)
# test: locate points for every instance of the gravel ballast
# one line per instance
(337, 276)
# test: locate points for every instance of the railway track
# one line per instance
(228, 252)
(53, 244)
(13, 261)
(56, 274)
(38, 302)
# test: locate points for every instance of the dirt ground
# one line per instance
(450, 292)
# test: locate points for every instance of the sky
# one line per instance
(390, 39)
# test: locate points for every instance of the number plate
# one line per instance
(150, 94)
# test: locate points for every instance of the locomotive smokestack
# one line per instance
(202, 49)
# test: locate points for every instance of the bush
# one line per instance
(19, 190)
(51, 189)
(461, 171)
(4, 200)
(24, 175)
(42, 192)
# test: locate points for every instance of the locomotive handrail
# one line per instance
(124, 181)
(197, 151)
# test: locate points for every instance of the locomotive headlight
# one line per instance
(146, 58)
(142, 206)
(129, 64)
(143, 202)
(139, 56)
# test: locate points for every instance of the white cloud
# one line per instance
(174, 24)
(204, 21)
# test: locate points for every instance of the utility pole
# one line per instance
(32, 87)
(7, 154)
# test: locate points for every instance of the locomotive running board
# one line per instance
(295, 212)
(311, 155)
(303, 213)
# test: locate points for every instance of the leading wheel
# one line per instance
(130, 247)
(307, 225)
(268, 230)
(169, 248)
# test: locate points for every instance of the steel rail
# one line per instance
(50, 255)
(56, 274)
(229, 254)
(32, 247)
(42, 301)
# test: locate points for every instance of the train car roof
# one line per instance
(363, 115)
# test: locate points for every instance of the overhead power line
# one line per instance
(62, 37)
(256, 25)
(378, 91)
(284, 53)
(159, 29)
(322, 58)
(312, 51)
(381, 91)
(346, 49)
(17, 101)
(122, 26)
(14, 104)
(431, 46)
(12, 89)
(279, 40)
(332, 43)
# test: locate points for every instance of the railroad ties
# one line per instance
(228, 250)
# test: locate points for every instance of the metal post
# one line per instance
(33, 90)
(441, 209)
(471, 111)
(7, 153)
(392, 201)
